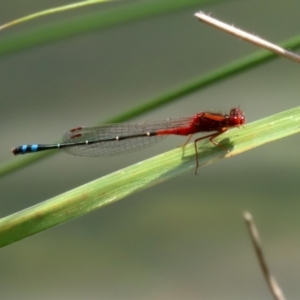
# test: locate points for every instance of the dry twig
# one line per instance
(271, 281)
(247, 37)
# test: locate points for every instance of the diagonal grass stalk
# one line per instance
(142, 175)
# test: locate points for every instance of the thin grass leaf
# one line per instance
(92, 22)
(197, 84)
(142, 175)
(51, 11)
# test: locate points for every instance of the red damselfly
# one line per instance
(115, 139)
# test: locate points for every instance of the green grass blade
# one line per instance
(234, 68)
(100, 20)
(145, 174)
(52, 11)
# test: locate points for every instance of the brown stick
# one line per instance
(247, 37)
(271, 281)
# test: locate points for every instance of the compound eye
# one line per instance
(236, 117)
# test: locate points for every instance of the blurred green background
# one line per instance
(183, 239)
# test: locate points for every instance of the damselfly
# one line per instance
(115, 139)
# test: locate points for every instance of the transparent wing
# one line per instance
(104, 141)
